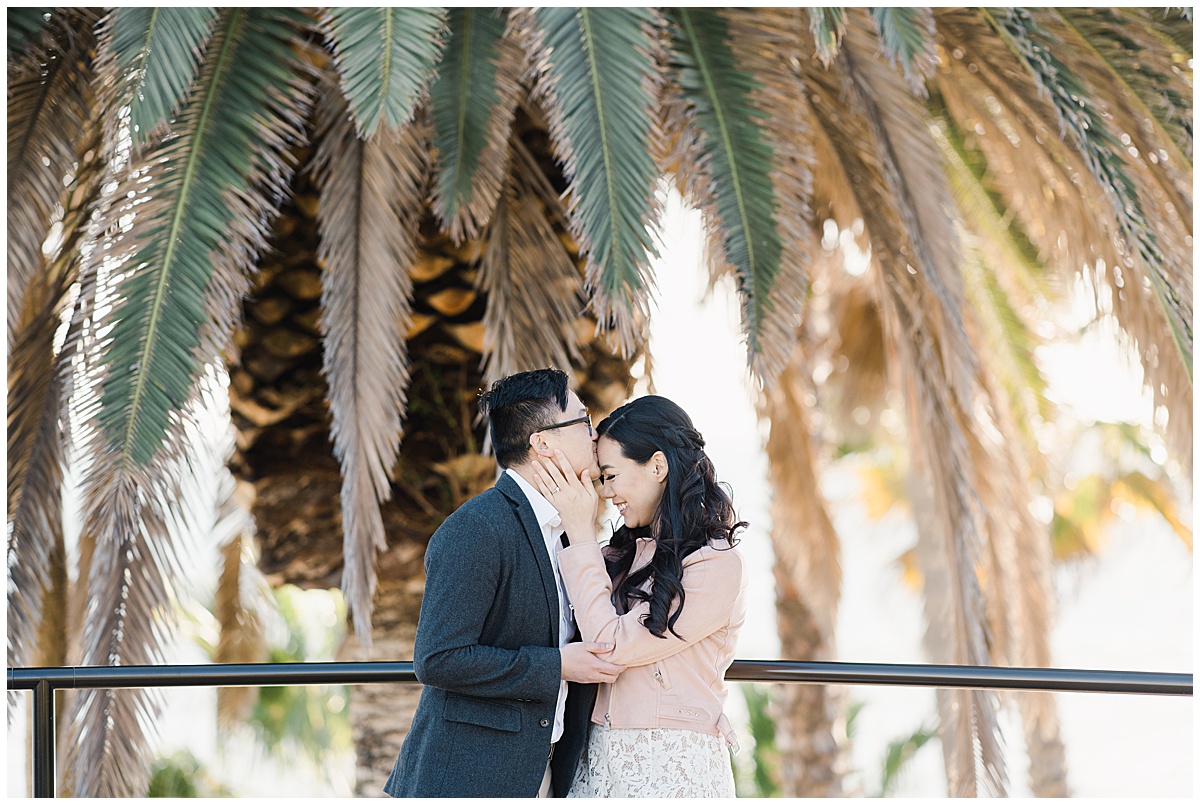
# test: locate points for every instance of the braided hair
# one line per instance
(693, 512)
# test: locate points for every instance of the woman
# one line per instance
(668, 592)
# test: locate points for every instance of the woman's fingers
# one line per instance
(564, 464)
(553, 475)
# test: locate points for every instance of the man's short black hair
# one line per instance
(518, 405)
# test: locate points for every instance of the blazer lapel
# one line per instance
(533, 533)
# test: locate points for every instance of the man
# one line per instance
(493, 641)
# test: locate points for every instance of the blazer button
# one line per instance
(545, 722)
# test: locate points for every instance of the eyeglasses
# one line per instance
(569, 423)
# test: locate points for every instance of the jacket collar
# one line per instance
(533, 533)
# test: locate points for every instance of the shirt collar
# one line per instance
(543, 510)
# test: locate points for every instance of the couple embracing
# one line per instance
(557, 666)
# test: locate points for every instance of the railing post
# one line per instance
(43, 739)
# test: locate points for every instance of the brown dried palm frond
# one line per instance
(878, 137)
(1113, 46)
(1037, 176)
(371, 202)
(533, 287)
(51, 106)
(40, 371)
(912, 166)
(765, 42)
(132, 574)
(1020, 594)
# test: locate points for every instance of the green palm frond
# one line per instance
(599, 99)
(1137, 61)
(1176, 27)
(25, 26)
(906, 38)
(766, 42)
(234, 125)
(472, 104)
(983, 208)
(51, 109)
(368, 220)
(1081, 118)
(737, 159)
(157, 51)
(385, 56)
(827, 26)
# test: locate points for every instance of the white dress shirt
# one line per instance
(551, 524)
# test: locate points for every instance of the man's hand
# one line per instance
(580, 663)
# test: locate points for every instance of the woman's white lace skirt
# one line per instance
(653, 763)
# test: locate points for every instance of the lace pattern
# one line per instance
(653, 763)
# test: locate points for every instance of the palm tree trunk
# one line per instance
(807, 586)
(381, 714)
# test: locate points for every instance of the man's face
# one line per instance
(577, 441)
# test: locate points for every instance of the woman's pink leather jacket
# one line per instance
(668, 682)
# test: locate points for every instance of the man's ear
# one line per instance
(538, 443)
(659, 462)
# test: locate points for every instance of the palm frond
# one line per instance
(385, 57)
(1019, 589)
(472, 104)
(35, 469)
(39, 379)
(51, 103)
(198, 229)
(598, 90)
(912, 168)
(737, 193)
(129, 587)
(1176, 27)
(827, 26)
(1009, 346)
(25, 27)
(765, 42)
(1080, 118)
(1026, 277)
(931, 361)
(992, 99)
(370, 210)
(205, 222)
(533, 286)
(906, 37)
(1138, 61)
(157, 52)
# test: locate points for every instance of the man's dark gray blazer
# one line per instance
(487, 653)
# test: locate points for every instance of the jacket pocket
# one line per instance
(481, 713)
(660, 674)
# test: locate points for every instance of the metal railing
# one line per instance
(44, 681)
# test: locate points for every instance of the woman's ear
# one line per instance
(659, 462)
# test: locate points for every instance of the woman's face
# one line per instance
(634, 489)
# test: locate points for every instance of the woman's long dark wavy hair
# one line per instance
(693, 512)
